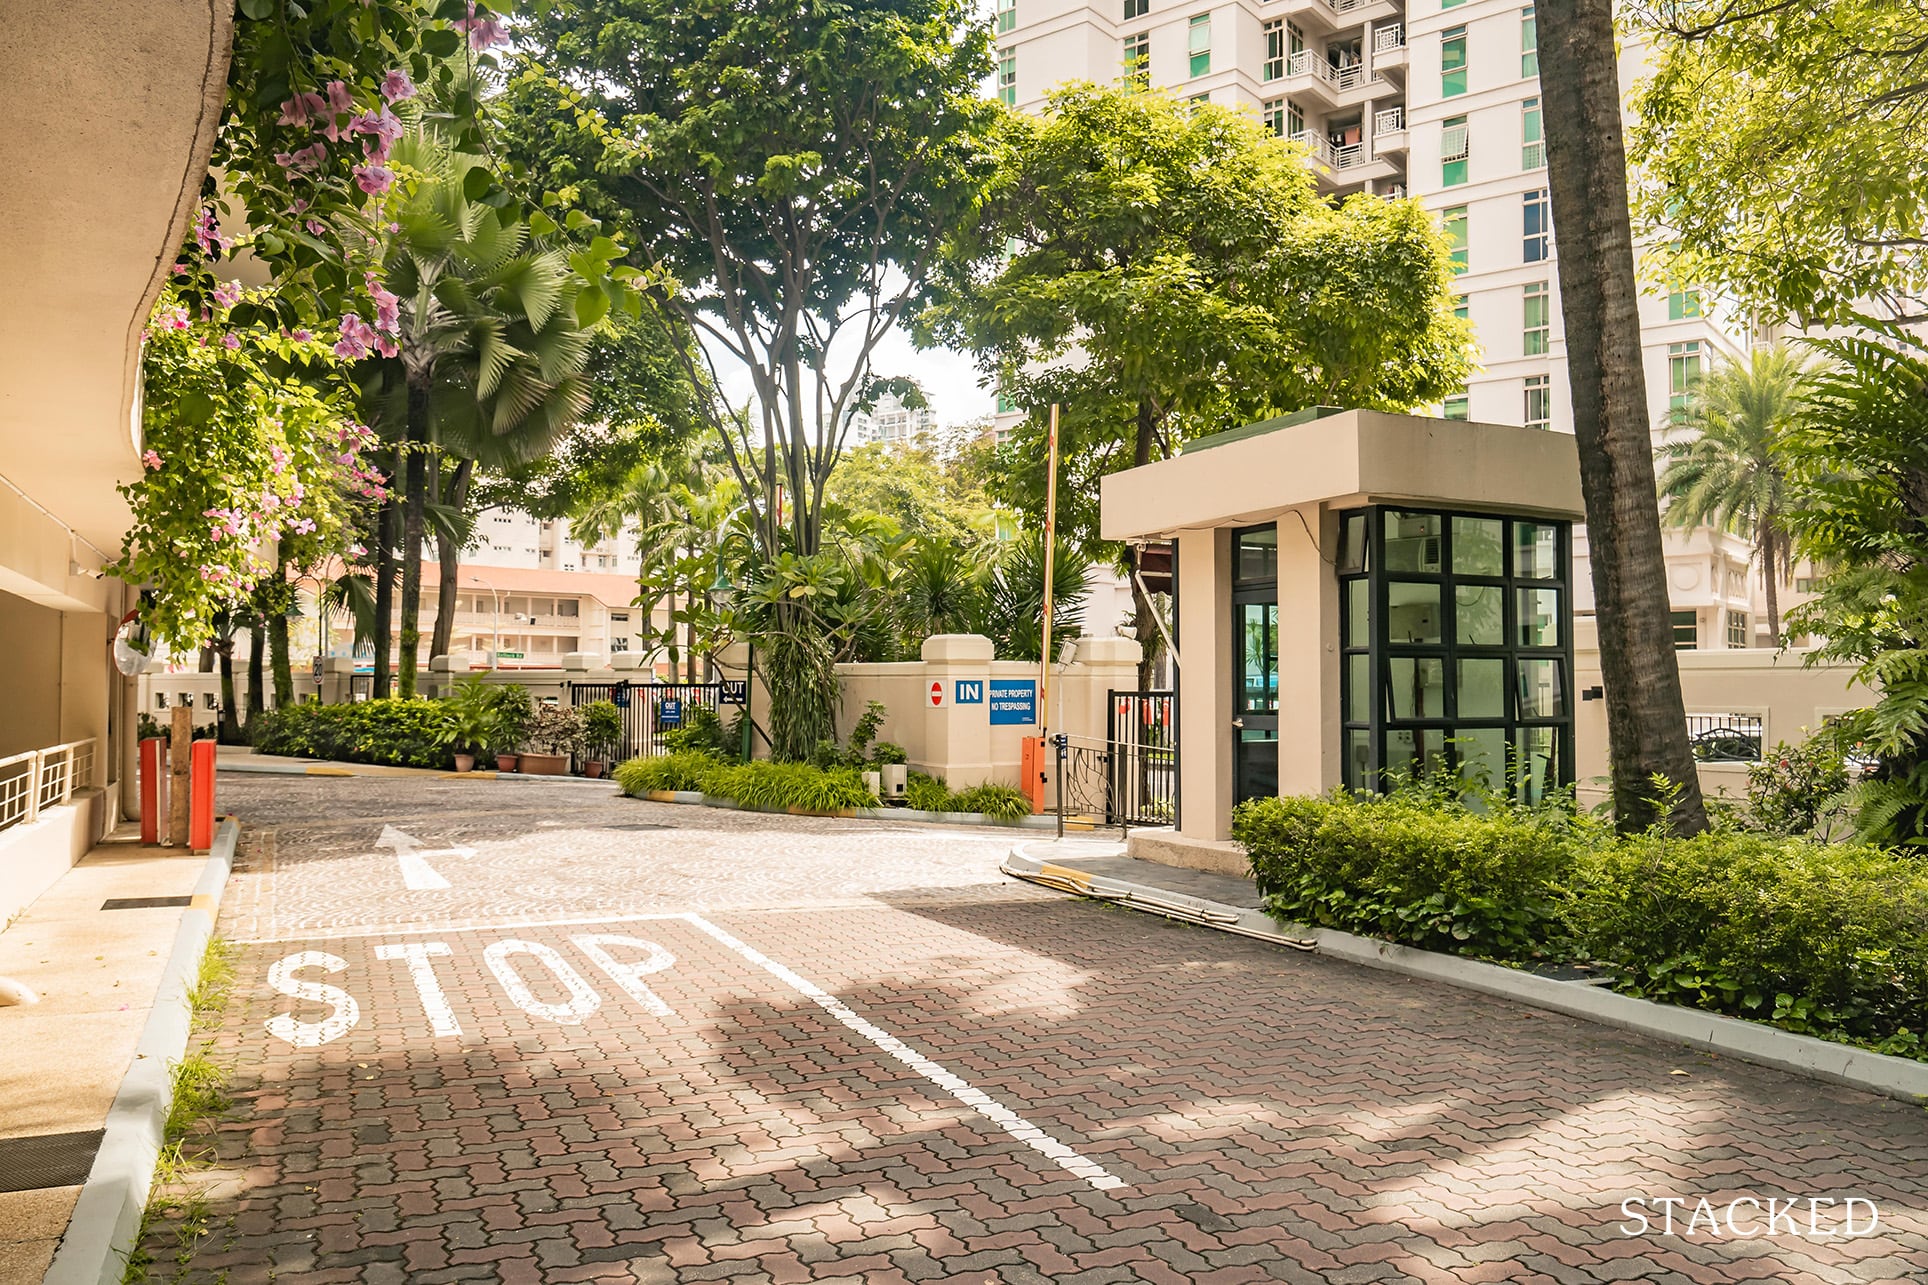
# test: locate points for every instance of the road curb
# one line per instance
(696, 798)
(1894, 1077)
(107, 1217)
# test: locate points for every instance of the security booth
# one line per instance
(1361, 596)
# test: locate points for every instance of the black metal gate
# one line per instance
(1141, 735)
(650, 709)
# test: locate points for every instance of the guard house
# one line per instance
(1359, 594)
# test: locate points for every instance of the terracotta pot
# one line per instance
(593, 768)
(465, 762)
(543, 764)
(505, 762)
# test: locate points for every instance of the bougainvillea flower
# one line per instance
(483, 33)
(308, 158)
(301, 109)
(230, 341)
(374, 179)
(151, 459)
(227, 294)
(397, 87)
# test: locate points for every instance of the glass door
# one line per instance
(1255, 722)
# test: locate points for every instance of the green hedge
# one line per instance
(1828, 940)
(397, 733)
(800, 785)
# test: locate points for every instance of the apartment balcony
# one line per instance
(1308, 73)
(1344, 166)
(1389, 53)
(1389, 132)
(1342, 15)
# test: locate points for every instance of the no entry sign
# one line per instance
(937, 694)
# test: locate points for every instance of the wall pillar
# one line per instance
(957, 738)
(1205, 684)
(1309, 752)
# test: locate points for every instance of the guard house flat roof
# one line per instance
(1352, 457)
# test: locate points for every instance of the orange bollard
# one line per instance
(1031, 772)
(150, 772)
(200, 823)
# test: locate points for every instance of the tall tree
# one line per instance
(1587, 182)
(1783, 146)
(1165, 268)
(789, 170)
(1728, 474)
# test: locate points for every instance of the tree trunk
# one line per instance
(448, 561)
(415, 470)
(207, 659)
(1141, 608)
(284, 678)
(1770, 543)
(230, 729)
(1587, 181)
(384, 588)
(257, 656)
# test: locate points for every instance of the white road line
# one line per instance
(474, 926)
(976, 1099)
(417, 874)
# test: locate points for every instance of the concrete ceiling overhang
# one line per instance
(112, 107)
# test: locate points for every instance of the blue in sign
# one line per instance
(1014, 702)
(970, 691)
(669, 713)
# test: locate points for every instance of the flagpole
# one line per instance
(1050, 567)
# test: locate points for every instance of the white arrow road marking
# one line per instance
(976, 1099)
(417, 874)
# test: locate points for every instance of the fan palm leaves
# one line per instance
(1727, 474)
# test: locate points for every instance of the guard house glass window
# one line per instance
(1007, 15)
(1454, 221)
(1138, 60)
(1683, 374)
(1275, 49)
(1255, 608)
(1536, 227)
(1537, 309)
(1452, 62)
(1455, 151)
(1529, 43)
(1539, 402)
(1136, 9)
(1007, 79)
(1532, 140)
(1455, 652)
(1198, 43)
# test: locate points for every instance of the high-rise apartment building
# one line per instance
(891, 423)
(1440, 100)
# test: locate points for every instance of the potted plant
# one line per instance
(893, 766)
(471, 723)
(513, 711)
(602, 735)
(555, 732)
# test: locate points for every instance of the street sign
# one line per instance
(1014, 702)
(736, 691)
(621, 695)
(669, 713)
(508, 655)
(937, 694)
(970, 691)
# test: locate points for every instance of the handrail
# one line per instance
(50, 778)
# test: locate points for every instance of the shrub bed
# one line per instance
(801, 785)
(1827, 940)
(396, 733)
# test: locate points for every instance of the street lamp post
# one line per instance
(495, 600)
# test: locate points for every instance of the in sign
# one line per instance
(970, 691)
(937, 694)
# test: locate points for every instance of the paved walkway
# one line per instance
(773, 1049)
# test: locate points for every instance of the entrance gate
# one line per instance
(650, 709)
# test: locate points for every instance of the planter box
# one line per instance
(544, 764)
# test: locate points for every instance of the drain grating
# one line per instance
(638, 825)
(144, 903)
(47, 1160)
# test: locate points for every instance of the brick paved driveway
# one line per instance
(767, 1049)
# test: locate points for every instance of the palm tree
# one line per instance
(1586, 173)
(1728, 474)
(491, 356)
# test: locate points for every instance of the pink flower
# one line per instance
(483, 33)
(316, 227)
(397, 87)
(182, 269)
(303, 336)
(357, 551)
(304, 526)
(357, 338)
(227, 294)
(173, 318)
(207, 233)
(301, 109)
(151, 459)
(388, 347)
(340, 99)
(374, 179)
(308, 158)
(388, 309)
(230, 341)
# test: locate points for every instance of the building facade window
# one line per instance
(1536, 229)
(1136, 9)
(1452, 62)
(1454, 649)
(1275, 49)
(1455, 151)
(1683, 373)
(1529, 43)
(1458, 406)
(1686, 630)
(1537, 320)
(1274, 117)
(1461, 307)
(1737, 629)
(618, 643)
(1007, 15)
(1532, 140)
(1007, 79)
(1683, 304)
(1454, 221)
(1539, 402)
(1198, 43)
(1138, 59)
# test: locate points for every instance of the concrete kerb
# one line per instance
(107, 1217)
(697, 798)
(1894, 1077)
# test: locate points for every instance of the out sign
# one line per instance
(937, 694)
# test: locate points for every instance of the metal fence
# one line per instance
(1725, 738)
(32, 782)
(650, 709)
(1132, 777)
